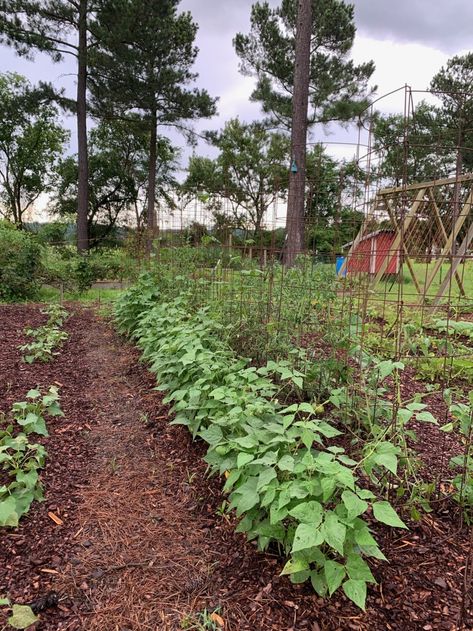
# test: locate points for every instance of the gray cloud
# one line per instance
(442, 24)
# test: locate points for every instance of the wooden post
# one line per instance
(453, 235)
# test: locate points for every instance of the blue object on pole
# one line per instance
(339, 264)
(294, 166)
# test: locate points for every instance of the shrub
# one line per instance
(20, 264)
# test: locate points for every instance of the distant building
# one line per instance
(369, 253)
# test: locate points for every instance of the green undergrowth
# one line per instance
(291, 486)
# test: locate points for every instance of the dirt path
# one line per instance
(143, 545)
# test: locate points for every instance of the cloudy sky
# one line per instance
(409, 40)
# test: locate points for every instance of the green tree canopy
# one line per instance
(332, 191)
(58, 28)
(118, 166)
(143, 66)
(338, 87)
(250, 171)
(31, 143)
(437, 138)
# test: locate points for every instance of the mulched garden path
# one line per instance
(143, 546)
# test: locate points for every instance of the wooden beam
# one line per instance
(399, 234)
(465, 211)
(433, 184)
(445, 237)
(454, 266)
(392, 214)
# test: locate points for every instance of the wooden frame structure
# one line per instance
(433, 221)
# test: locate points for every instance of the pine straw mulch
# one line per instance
(143, 545)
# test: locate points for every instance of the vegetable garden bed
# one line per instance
(145, 541)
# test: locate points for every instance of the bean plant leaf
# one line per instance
(354, 505)
(243, 458)
(358, 569)
(294, 565)
(22, 617)
(308, 513)
(356, 591)
(8, 514)
(427, 417)
(334, 532)
(286, 463)
(387, 460)
(306, 536)
(334, 575)
(385, 513)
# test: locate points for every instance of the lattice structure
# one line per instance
(430, 222)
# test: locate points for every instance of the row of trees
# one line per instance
(134, 64)
(133, 60)
(437, 138)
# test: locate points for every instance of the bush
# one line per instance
(75, 272)
(20, 264)
(54, 233)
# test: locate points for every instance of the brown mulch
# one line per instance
(143, 545)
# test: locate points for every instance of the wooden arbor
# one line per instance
(433, 223)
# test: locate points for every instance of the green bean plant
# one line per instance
(290, 485)
(20, 458)
(462, 423)
(47, 338)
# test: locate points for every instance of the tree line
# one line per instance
(135, 80)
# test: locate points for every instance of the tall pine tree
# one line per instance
(143, 66)
(337, 89)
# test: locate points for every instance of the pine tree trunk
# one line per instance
(151, 212)
(83, 183)
(295, 203)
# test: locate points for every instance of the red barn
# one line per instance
(370, 252)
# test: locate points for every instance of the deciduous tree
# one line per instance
(31, 142)
(250, 171)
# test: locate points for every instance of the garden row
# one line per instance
(288, 478)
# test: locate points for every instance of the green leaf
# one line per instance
(4, 602)
(355, 591)
(354, 505)
(286, 463)
(319, 583)
(447, 428)
(385, 513)
(306, 407)
(8, 513)
(387, 460)
(265, 477)
(243, 459)
(33, 394)
(334, 532)
(244, 502)
(308, 513)
(22, 617)
(306, 536)
(294, 565)
(358, 569)
(334, 575)
(427, 417)
(212, 435)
